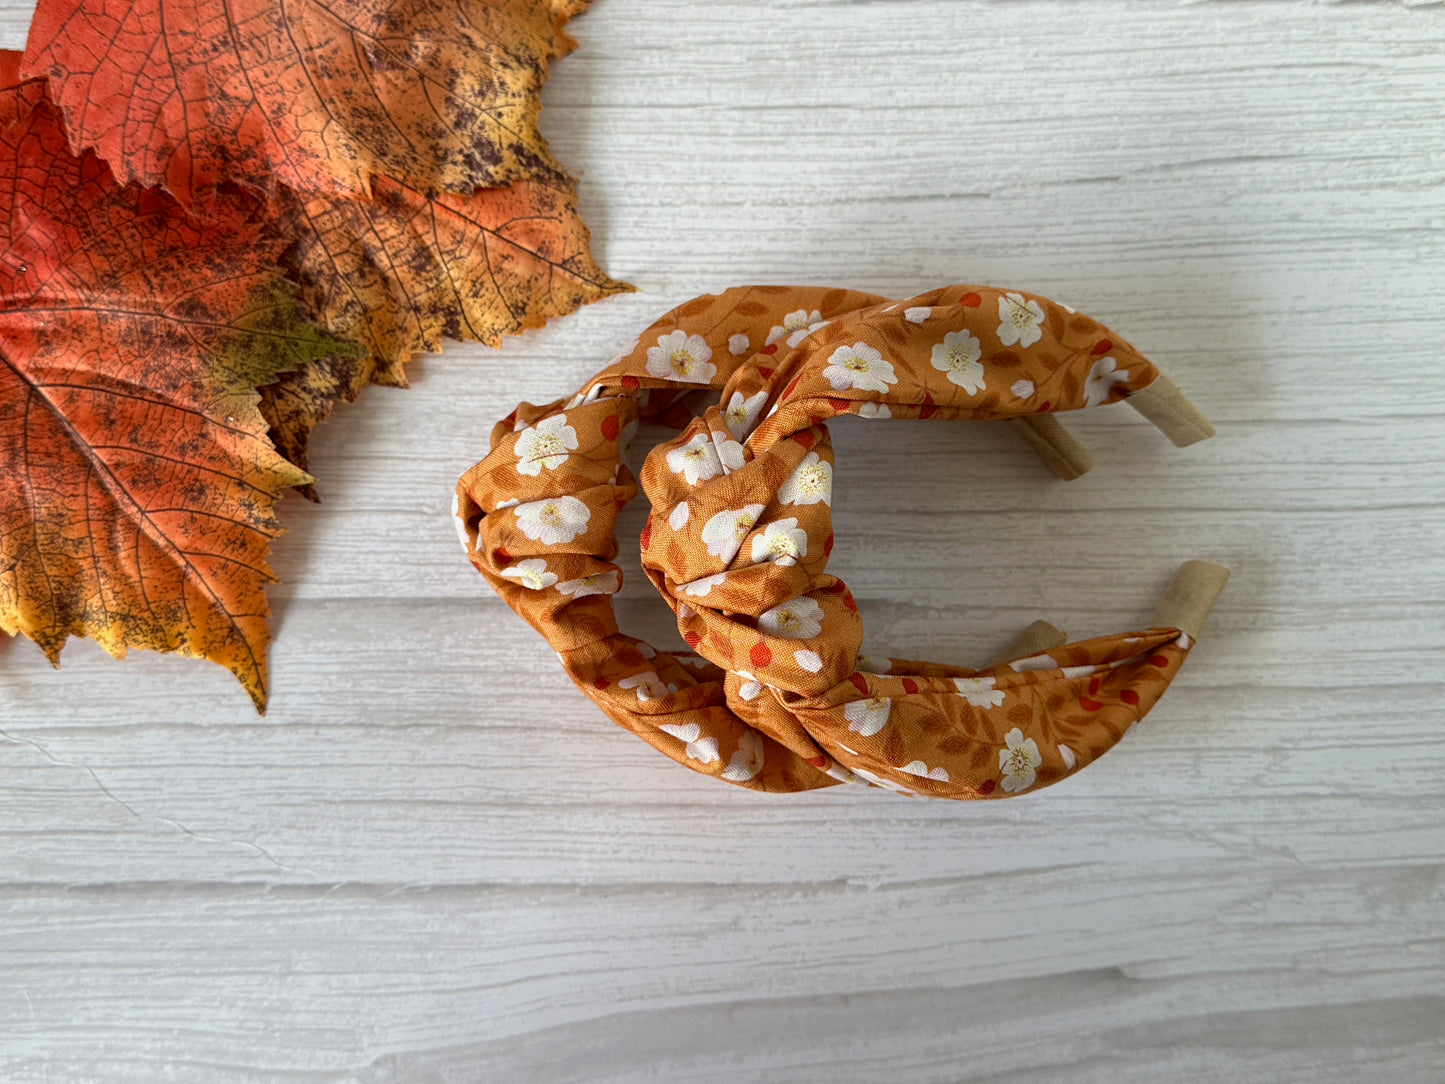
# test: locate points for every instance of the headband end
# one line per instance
(1191, 597)
(1163, 404)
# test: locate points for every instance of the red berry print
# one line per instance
(1103, 347)
(986, 787)
(1159, 661)
(840, 405)
(859, 682)
(630, 381)
(970, 300)
(1130, 697)
(1089, 705)
(806, 438)
(692, 638)
(1044, 407)
(766, 374)
(818, 762)
(646, 537)
(611, 426)
(771, 348)
(501, 556)
(909, 685)
(601, 683)
(760, 654)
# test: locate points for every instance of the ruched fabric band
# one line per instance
(774, 694)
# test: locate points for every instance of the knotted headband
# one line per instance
(774, 694)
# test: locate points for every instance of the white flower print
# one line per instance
(678, 517)
(646, 650)
(1017, 760)
(874, 664)
(742, 414)
(696, 460)
(797, 619)
(859, 366)
(810, 661)
(1069, 759)
(980, 692)
(700, 588)
(739, 345)
(512, 503)
(797, 326)
(810, 483)
(724, 533)
(747, 762)
(781, 541)
(698, 747)
(917, 314)
(750, 688)
(957, 356)
(917, 767)
(729, 452)
(545, 445)
(648, 685)
(867, 717)
(680, 356)
(1034, 662)
(1019, 320)
(834, 770)
(879, 781)
(553, 521)
(532, 574)
(599, 583)
(1023, 388)
(1101, 380)
(874, 410)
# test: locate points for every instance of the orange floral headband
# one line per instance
(774, 694)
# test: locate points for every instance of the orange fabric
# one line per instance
(774, 695)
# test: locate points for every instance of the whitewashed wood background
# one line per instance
(433, 860)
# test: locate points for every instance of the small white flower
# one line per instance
(545, 445)
(738, 345)
(917, 767)
(918, 314)
(680, 356)
(724, 533)
(957, 356)
(648, 685)
(750, 688)
(698, 747)
(1034, 662)
(781, 541)
(553, 521)
(747, 762)
(742, 414)
(458, 524)
(834, 770)
(859, 366)
(1072, 672)
(980, 692)
(810, 661)
(512, 503)
(1101, 380)
(810, 483)
(532, 574)
(646, 650)
(1018, 760)
(678, 517)
(797, 326)
(1184, 641)
(797, 619)
(874, 664)
(1023, 388)
(599, 583)
(874, 410)
(696, 460)
(699, 588)
(729, 452)
(1069, 759)
(1019, 320)
(867, 717)
(879, 781)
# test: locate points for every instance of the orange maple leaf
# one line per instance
(137, 486)
(403, 270)
(318, 95)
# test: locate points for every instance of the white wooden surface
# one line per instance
(434, 861)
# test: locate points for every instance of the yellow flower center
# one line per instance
(1018, 762)
(682, 362)
(813, 481)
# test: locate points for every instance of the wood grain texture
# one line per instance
(433, 861)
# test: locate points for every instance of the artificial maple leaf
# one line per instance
(318, 94)
(137, 486)
(403, 270)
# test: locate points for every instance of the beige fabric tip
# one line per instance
(1174, 415)
(1037, 638)
(1055, 445)
(1190, 598)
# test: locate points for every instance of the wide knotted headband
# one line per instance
(773, 694)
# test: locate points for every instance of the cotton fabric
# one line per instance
(774, 694)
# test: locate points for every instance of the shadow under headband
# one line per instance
(774, 694)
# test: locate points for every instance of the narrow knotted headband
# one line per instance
(774, 694)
